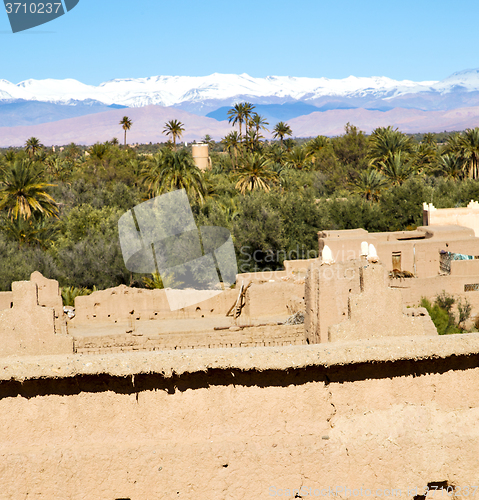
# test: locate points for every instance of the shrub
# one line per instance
(17, 263)
(70, 292)
(439, 316)
(464, 311)
(443, 316)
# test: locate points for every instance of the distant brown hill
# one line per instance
(148, 123)
(407, 120)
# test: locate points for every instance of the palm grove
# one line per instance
(59, 209)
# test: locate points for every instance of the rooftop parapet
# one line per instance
(461, 216)
(173, 363)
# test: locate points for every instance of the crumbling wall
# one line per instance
(124, 303)
(294, 270)
(261, 277)
(352, 300)
(461, 287)
(378, 311)
(243, 424)
(28, 328)
(235, 336)
(327, 290)
(273, 299)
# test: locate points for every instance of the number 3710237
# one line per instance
(32, 8)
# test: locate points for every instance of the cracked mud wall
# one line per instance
(233, 434)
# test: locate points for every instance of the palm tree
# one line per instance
(38, 231)
(251, 140)
(275, 155)
(98, 151)
(126, 124)
(57, 167)
(396, 168)
(207, 139)
(210, 184)
(151, 173)
(173, 170)
(258, 123)
(23, 193)
(32, 145)
(248, 111)
(231, 142)
(453, 144)
(174, 128)
(429, 138)
(72, 152)
(386, 141)
(40, 155)
(230, 208)
(237, 115)
(426, 156)
(281, 130)
(255, 174)
(469, 147)
(369, 184)
(297, 158)
(20, 230)
(10, 156)
(289, 144)
(452, 166)
(314, 146)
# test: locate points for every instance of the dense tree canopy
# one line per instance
(59, 209)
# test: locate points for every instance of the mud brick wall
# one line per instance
(242, 423)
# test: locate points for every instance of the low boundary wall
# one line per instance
(393, 413)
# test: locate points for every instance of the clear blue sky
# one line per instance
(104, 39)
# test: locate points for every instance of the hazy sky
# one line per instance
(104, 39)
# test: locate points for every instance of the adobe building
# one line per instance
(135, 402)
(386, 407)
(124, 319)
(32, 320)
(420, 252)
(422, 263)
(463, 216)
(353, 300)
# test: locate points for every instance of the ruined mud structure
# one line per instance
(129, 400)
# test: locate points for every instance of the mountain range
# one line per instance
(311, 104)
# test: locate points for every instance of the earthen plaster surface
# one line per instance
(178, 362)
(242, 424)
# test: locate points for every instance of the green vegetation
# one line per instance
(69, 293)
(443, 316)
(59, 208)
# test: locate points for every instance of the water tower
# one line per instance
(201, 156)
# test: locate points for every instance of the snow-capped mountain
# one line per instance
(467, 80)
(276, 97)
(174, 90)
(226, 89)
